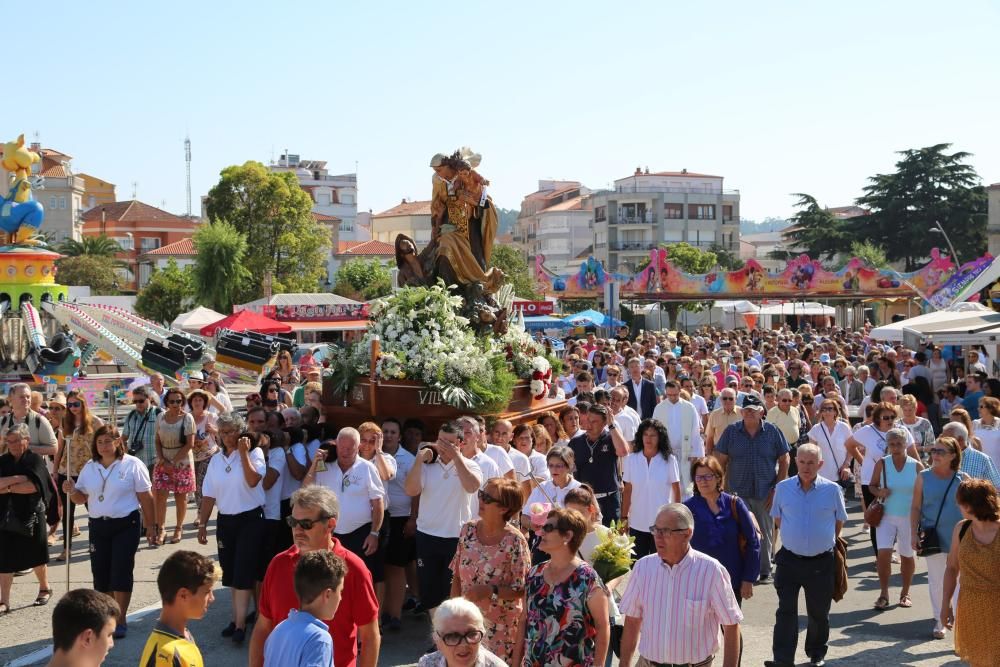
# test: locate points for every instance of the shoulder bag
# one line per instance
(930, 543)
(741, 539)
(845, 484)
(876, 508)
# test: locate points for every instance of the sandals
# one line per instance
(44, 595)
(4, 608)
(905, 601)
(882, 603)
(176, 539)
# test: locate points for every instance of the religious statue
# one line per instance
(463, 227)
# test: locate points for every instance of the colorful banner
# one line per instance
(661, 281)
(951, 291)
(329, 312)
(532, 308)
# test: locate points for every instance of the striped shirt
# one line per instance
(681, 607)
(979, 466)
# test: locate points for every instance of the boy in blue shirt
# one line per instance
(303, 639)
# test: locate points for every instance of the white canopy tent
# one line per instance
(954, 316)
(192, 321)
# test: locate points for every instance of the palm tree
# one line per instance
(98, 246)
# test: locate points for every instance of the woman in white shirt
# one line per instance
(561, 463)
(233, 482)
(987, 427)
(115, 486)
(830, 435)
(652, 479)
(524, 442)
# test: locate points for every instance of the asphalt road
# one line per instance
(860, 634)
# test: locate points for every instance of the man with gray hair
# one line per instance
(975, 463)
(809, 512)
(315, 512)
(660, 618)
(721, 418)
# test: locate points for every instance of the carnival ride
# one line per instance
(46, 339)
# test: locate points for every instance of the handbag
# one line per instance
(929, 543)
(741, 539)
(876, 509)
(11, 523)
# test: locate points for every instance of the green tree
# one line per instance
(168, 293)
(274, 215)
(814, 231)
(727, 261)
(93, 246)
(870, 253)
(929, 186)
(509, 260)
(93, 271)
(220, 274)
(363, 279)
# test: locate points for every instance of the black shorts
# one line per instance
(401, 550)
(239, 538)
(355, 543)
(113, 544)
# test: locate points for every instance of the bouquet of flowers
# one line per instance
(613, 557)
(538, 513)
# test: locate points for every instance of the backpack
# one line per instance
(741, 538)
(8, 421)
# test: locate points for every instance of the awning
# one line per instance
(954, 317)
(329, 325)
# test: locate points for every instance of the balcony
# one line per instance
(626, 189)
(624, 220)
(632, 246)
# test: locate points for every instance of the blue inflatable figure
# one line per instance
(20, 215)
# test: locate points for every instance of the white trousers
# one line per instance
(936, 566)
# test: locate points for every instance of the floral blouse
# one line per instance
(560, 630)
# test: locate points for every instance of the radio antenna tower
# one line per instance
(187, 159)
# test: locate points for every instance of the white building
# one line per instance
(647, 209)
(412, 218)
(555, 221)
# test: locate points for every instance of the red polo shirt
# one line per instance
(358, 604)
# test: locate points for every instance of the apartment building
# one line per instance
(554, 221)
(61, 194)
(412, 218)
(647, 209)
(333, 195)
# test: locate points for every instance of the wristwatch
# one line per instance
(612, 426)
(374, 533)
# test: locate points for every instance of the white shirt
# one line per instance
(539, 466)
(686, 445)
(652, 486)
(224, 481)
(500, 457)
(289, 484)
(989, 436)
(518, 461)
(875, 449)
(355, 488)
(399, 502)
(390, 464)
(444, 505)
(681, 607)
(111, 492)
(490, 471)
(549, 488)
(628, 423)
(699, 404)
(831, 444)
(227, 405)
(272, 497)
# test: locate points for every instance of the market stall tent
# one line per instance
(192, 321)
(952, 317)
(247, 320)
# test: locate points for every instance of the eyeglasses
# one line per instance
(704, 478)
(549, 528)
(304, 524)
(138, 401)
(486, 498)
(456, 638)
(663, 532)
(886, 418)
(940, 451)
(728, 398)
(828, 409)
(73, 404)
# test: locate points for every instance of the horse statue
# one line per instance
(20, 215)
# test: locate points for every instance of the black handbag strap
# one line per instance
(829, 444)
(944, 498)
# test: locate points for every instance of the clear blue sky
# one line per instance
(778, 97)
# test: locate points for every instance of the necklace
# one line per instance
(104, 480)
(591, 447)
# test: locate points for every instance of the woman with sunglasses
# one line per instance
(174, 470)
(708, 391)
(831, 434)
(205, 445)
(612, 376)
(935, 510)
(288, 374)
(273, 397)
(491, 564)
(55, 415)
(566, 616)
(233, 482)
(459, 630)
(115, 487)
(868, 446)
(78, 429)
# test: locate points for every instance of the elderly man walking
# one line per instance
(754, 454)
(809, 513)
(676, 599)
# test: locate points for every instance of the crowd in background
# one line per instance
(730, 458)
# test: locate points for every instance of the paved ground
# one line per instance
(861, 635)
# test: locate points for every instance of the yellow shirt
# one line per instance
(165, 648)
(718, 420)
(788, 422)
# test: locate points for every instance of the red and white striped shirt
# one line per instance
(681, 607)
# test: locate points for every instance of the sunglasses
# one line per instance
(74, 404)
(728, 398)
(304, 524)
(138, 401)
(940, 451)
(549, 528)
(175, 401)
(886, 418)
(486, 498)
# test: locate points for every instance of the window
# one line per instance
(727, 212)
(91, 201)
(347, 199)
(124, 241)
(53, 203)
(62, 203)
(323, 199)
(600, 213)
(673, 211)
(149, 243)
(701, 211)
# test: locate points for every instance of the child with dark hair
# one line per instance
(185, 582)
(83, 626)
(303, 638)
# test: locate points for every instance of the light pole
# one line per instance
(938, 229)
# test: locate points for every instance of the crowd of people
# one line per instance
(730, 458)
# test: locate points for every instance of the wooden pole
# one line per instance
(68, 547)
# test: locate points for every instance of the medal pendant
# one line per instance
(591, 459)
(229, 468)
(100, 498)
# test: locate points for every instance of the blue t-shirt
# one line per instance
(971, 403)
(301, 640)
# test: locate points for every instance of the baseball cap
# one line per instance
(752, 402)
